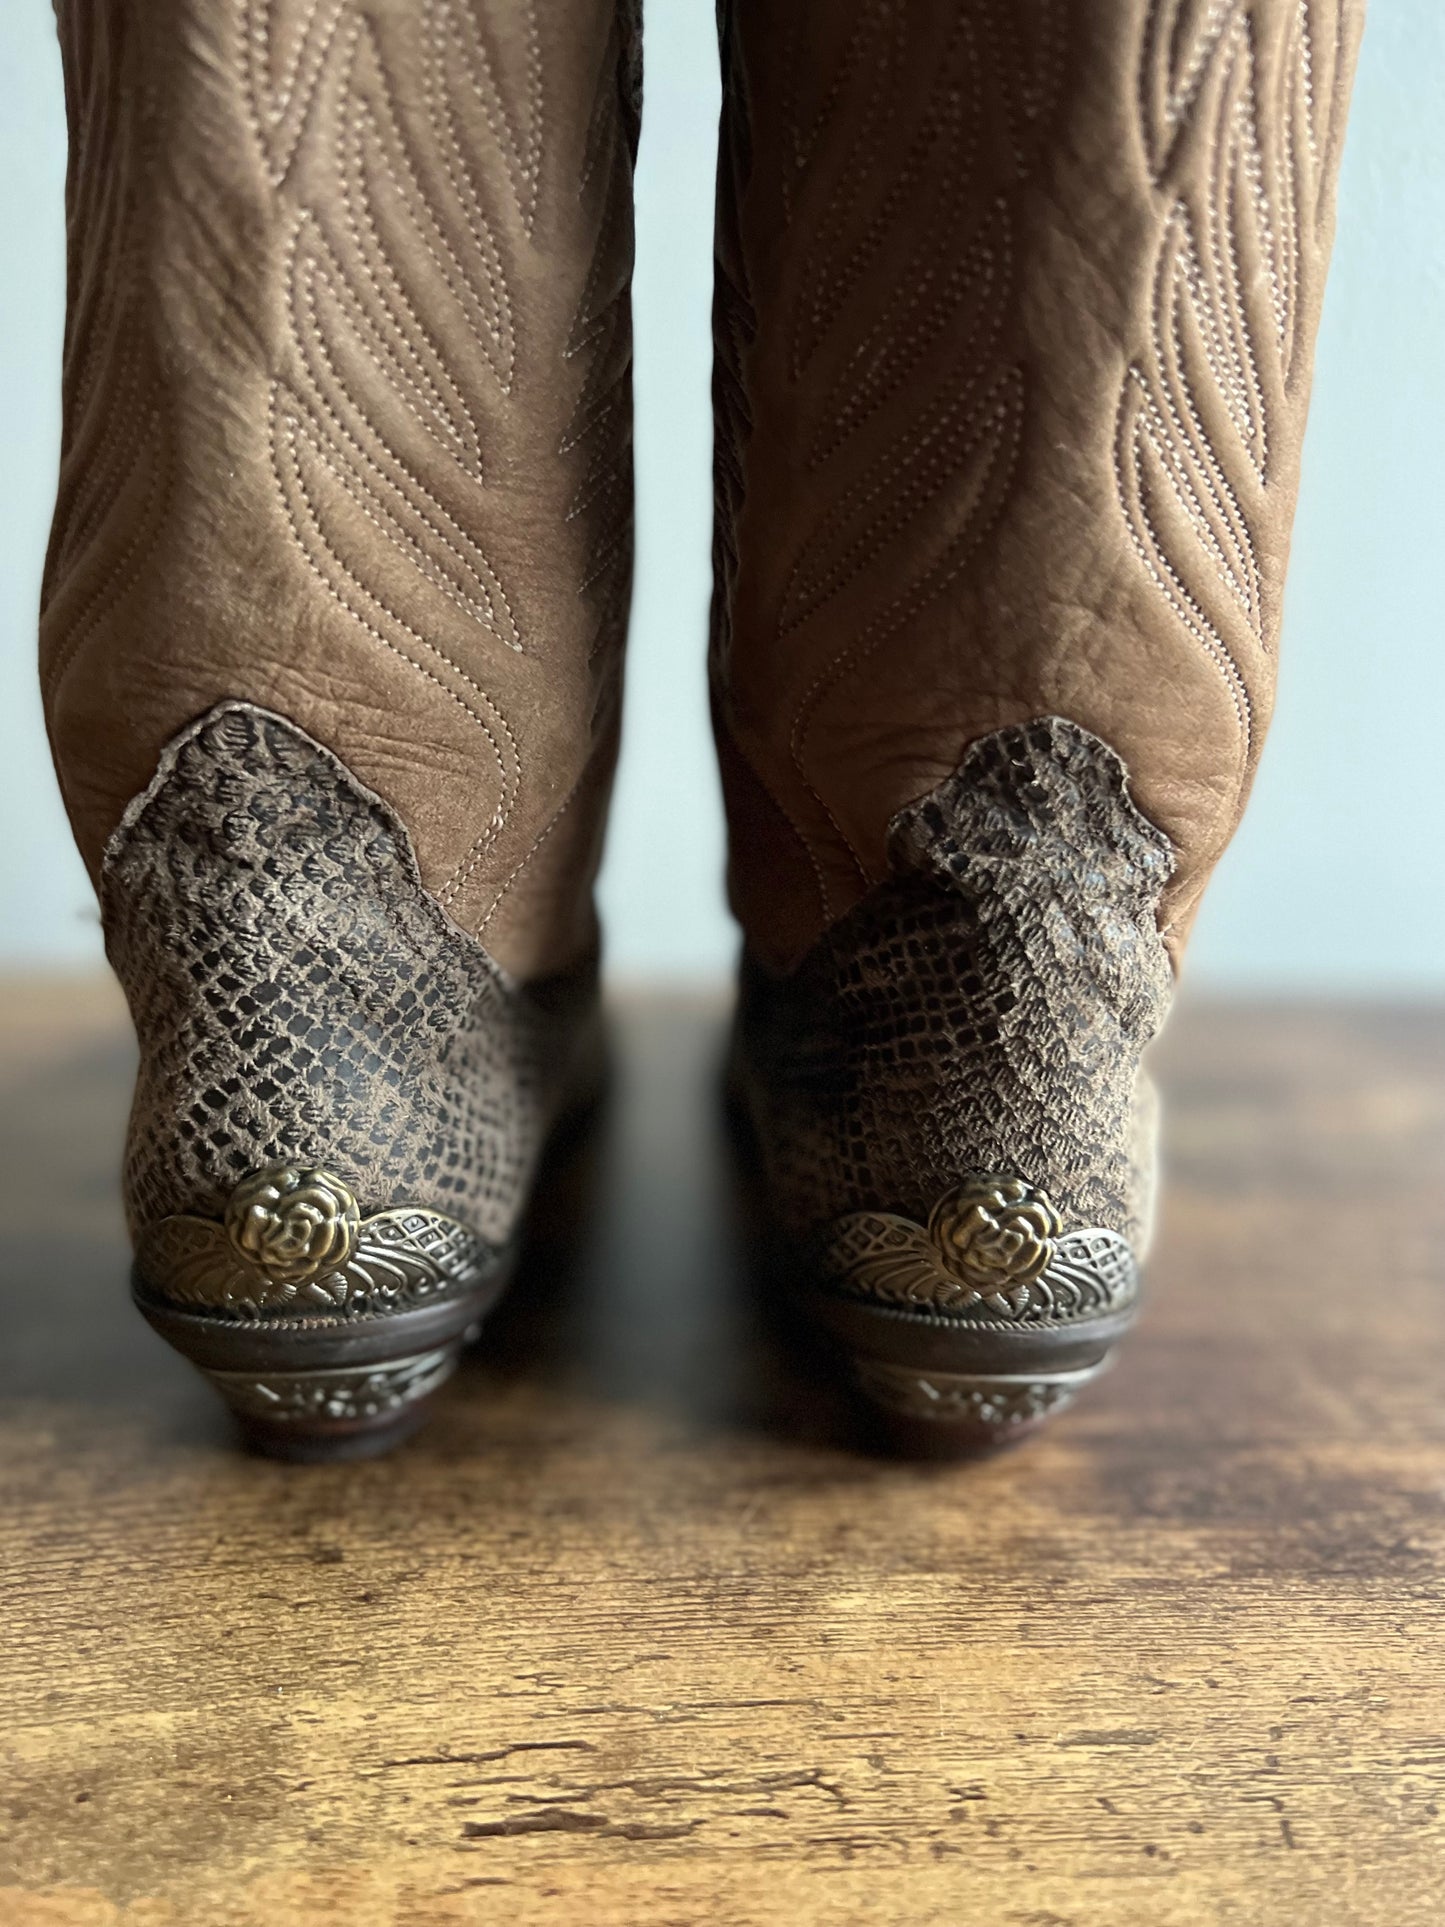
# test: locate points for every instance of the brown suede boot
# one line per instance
(1015, 313)
(331, 647)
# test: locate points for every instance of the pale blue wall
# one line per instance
(1335, 881)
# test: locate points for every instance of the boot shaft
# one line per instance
(347, 419)
(1015, 319)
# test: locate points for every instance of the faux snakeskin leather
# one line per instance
(297, 994)
(985, 1008)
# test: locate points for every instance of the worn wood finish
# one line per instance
(637, 1634)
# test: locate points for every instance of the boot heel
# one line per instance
(932, 1414)
(970, 1331)
(948, 1090)
(341, 1099)
(344, 1412)
(325, 1332)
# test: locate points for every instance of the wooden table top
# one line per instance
(636, 1633)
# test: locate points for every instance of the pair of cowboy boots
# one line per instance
(1015, 309)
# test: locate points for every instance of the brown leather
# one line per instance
(347, 417)
(1015, 317)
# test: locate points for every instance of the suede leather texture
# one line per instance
(1015, 315)
(347, 417)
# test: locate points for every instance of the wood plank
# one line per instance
(639, 1633)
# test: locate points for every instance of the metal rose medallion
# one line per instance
(293, 1224)
(994, 1248)
(996, 1233)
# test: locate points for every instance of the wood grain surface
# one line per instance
(638, 1632)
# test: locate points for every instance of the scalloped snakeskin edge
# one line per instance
(984, 1008)
(297, 995)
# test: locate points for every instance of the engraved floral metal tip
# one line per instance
(994, 1248)
(349, 1393)
(292, 1238)
(1002, 1402)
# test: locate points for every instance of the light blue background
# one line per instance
(1335, 882)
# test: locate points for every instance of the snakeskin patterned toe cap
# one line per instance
(953, 1123)
(342, 1099)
